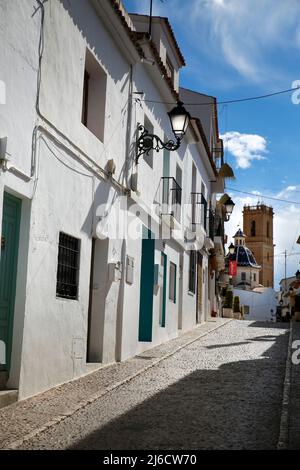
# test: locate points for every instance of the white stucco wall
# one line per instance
(50, 334)
(260, 303)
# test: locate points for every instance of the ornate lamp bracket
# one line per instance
(147, 142)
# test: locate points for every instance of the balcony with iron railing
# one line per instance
(199, 211)
(218, 157)
(211, 224)
(170, 198)
(219, 242)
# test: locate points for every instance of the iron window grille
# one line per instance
(68, 267)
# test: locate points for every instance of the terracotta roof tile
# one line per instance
(135, 38)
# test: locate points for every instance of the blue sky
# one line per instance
(235, 49)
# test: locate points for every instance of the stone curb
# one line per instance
(83, 404)
(282, 443)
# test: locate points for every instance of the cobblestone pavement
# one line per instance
(23, 420)
(223, 391)
(294, 404)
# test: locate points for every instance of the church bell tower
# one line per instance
(258, 227)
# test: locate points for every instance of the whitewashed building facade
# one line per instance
(79, 285)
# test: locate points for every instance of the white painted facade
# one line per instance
(260, 302)
(59, 169)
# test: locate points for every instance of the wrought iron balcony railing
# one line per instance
(211, 224)
(217, 154)
(170, 197)
(199, 210)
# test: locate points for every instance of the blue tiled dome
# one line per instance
(243, 256)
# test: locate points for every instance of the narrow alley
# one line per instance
(220, 390)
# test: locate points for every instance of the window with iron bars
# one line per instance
(68, 267)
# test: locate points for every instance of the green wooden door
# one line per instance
(8, 270)
(164, 290)
(146, 286)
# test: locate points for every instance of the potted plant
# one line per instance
(227, 307)
(236, 308)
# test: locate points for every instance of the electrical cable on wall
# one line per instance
(264, 196)
(238, 100)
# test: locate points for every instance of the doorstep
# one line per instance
(8, 397)
(3, 379)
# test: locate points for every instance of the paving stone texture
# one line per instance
(217, 387)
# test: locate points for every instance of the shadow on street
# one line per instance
(236, 406)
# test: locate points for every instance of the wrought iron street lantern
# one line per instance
(179, 118)
(229, 206)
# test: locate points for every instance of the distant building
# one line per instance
(258, 227)
(248, 269)
(258, 304)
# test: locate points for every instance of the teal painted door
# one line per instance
(146, 286)
(8, 270)
(164, 290)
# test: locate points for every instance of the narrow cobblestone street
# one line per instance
(294, 400)
(221, 391)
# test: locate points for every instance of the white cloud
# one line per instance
(244, 34)
(286, 192)
(245, 147)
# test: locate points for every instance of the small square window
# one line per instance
(68, 267)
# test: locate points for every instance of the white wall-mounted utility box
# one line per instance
(158, 275)
(129, 270)
(114, 271)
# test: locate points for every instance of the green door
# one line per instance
(164, 290)
(8, 270)
(146, 286)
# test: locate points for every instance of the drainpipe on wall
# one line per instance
(101, 172)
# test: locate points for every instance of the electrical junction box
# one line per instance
(115, 271)
(129, 270)
(158, 275)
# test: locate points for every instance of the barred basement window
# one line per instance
(68, 267)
